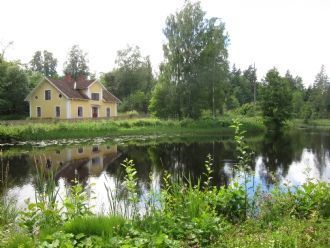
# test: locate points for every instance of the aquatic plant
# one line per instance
(184, 214)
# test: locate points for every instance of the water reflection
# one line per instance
(277, 159)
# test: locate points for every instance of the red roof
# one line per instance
(74, 89)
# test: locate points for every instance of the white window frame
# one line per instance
(106, 112)
(95, 93)
(37, 111)
(50, 95)
(56, 111)
(98, 111)
(82, 112)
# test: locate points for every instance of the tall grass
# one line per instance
(8, 211)
(104, 128)
(95, 225)
(183, 214)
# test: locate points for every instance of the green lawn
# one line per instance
(27, 130)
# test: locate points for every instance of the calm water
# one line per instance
(277, 159)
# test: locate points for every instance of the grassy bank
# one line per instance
(108, 128)
(179, 214)
(318, 123)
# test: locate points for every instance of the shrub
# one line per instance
(20, 240)
(95, 225)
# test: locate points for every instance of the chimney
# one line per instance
(81, 78)
(68, 78)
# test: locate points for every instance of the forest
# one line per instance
(201, 170)
(194, 80)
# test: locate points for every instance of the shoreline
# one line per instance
(11, 133)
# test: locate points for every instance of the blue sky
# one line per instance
(287, 34)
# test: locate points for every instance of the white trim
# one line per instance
(49, 95)
(45, 79)
(56, 112)
(68, 109)
(56, 87)
(106, 112)
(34, 89)
(30, 109)
(99, 96)
(37, 112)
(98, 111)
(103, 87)
(82, 111)
(92, 83)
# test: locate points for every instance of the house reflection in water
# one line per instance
(80, 162)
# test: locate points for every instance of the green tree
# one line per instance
(165, 98)
(44, 63)
(298, 95)
(131, 80)
(298, 103)
(242, 87)
(294, 82)
(3, 49)
(77, 63)
(319, 95)
(276, 100)
(13, 89)
(195, 61)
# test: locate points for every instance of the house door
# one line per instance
(95, 112)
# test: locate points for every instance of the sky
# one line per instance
(287, 34)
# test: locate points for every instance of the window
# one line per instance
(96, 160)
(95, 96)
(58, 111)
(108, 112)
(95, 112)
(95, 149)
(80, 150)
(47, 95)
(38, 111)
(80, 111)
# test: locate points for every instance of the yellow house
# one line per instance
(69, 99)
(84, 160)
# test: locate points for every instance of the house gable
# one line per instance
(53, 98)
(46, 81)
(53, 104)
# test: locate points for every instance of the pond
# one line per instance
(288, 159)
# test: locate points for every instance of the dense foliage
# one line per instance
(14, 87)
(44, 63)
(132, 80)
(319, 96)
(242, 88)
(77, 63)
(276, 103)
(194, 72)
(193, 81)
